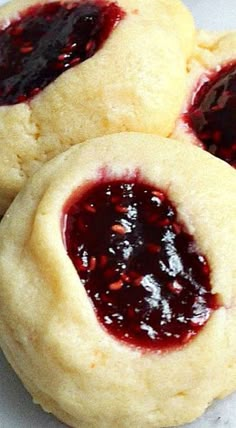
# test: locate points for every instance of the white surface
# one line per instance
(214, 15)
(16, 407)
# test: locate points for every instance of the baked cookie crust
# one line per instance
(213, 51)
(135, 82)
(48, 328)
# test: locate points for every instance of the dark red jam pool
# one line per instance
(47, 40)
(212, 114)
(149, 285)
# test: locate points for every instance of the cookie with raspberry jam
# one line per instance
(76, 69)
(117, 283)
(209, 114)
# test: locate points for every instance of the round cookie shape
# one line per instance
(49, 327)
(114, 89)
(209, 113)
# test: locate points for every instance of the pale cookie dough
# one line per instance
(48, 328)
(135, 82)
(213, 51)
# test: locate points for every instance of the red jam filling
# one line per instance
(212, 114)
(47, 40)
(148, 283)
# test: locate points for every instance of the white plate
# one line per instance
(16, 407)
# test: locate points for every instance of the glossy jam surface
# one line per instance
(148, 284)
(212, 115)
(48, 39)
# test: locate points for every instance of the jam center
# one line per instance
(212, 115)
(148, 284)
(47, 40)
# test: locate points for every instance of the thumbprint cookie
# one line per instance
(73, 70)
(117, 283)
(209, 116)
